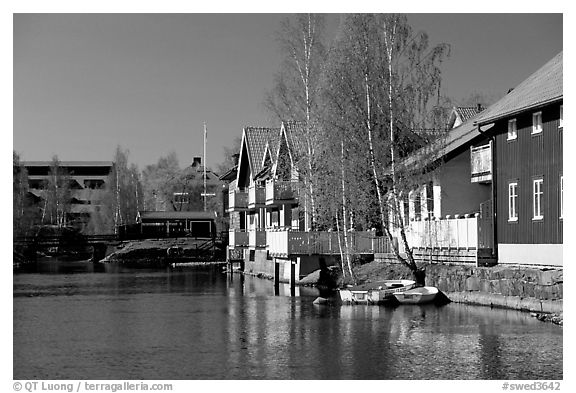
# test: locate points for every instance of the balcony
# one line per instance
(256, 196)
(257, 238)
(453, 233)
(481, 164)
(279, 192)
(285, 243)
(238, 239)
(237, 200)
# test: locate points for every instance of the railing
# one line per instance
(256, 196)
(238, 238)
(286, 242)
(278, 191)
(456, 233)
(257, 238)
(237, 199)
(481, 163)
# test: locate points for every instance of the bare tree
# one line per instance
(381, 82)
(57, 195)
(295, 93)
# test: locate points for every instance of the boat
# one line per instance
(420, 295)
(374, 292)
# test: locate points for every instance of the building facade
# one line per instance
(499, 175)
(86, 181)
(526, 129)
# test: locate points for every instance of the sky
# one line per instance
(86, 83)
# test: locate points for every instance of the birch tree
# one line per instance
(382, 80)
(21, 209)
(57, 195)
(296, 88)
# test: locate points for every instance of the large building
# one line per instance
(86, 182)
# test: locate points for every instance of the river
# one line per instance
(72, 321)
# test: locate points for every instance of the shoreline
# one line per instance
(545, 310)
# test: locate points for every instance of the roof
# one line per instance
(542, 87)
(256, 140)
(150, 215)
(295, 131)
(454, 139)
(69, 163)
(230, 174)
(461, 114)
(466, 113)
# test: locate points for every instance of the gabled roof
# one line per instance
(255, 140)
(542, 87)
(454, 139)
(295, 131)
(461, 114)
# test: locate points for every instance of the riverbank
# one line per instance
(162, 252)
(528, 289)
(538, 291)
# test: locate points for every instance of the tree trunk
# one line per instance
(344, 213)
(340, 246)
(411, 263)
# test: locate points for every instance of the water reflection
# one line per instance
(198, 323)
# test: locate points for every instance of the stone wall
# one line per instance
(521, 288)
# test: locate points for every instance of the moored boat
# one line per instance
(374, 292)
(420, 295)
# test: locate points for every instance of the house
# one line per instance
(526, 131)
(494, 183)
(86, 181)
(186, 189)
(269, 210)
(249, 216)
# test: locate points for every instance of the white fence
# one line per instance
(447, 233)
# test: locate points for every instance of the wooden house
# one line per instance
(526, 131)
(494, 184)
(268, 207)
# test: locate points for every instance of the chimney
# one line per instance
(479, 107)
(197, 161)
(235, 158)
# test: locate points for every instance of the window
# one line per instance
(561, 116)
(561, 196)
(512, 131)
(537, 123)
(537, 194)
(512, 201)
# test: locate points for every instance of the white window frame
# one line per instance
(512, 130)
(513, 201)
(561, 116)
(537, 197)
(561, 197)
(537, 123)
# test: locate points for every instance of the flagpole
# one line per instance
(204, 166)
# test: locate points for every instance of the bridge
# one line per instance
(55, 241)
(26, 247)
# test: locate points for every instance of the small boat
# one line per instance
(374, 292)
(419, 295)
